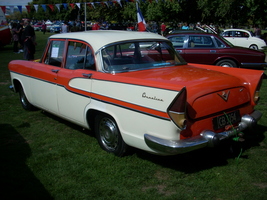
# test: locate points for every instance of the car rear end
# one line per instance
(208, 113)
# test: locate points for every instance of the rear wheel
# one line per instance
(226, 63)
(24, 101)
(108, 135)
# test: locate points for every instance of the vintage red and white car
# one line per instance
(133, 90)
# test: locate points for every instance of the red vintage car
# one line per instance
(5, 32)
(212, 49)
(133, 90)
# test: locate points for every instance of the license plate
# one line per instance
(227, 119)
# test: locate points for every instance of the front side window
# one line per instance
(55, 52)
(220, 44)
(228, 33)
(131, 56)
(178, 41)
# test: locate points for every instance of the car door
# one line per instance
(44, 84)
(241, 38)
(74, 82)
(200, 49)
(230, 36)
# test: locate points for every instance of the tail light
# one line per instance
(177, 109)
(257, 92)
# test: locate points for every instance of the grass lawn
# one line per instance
(44, 157)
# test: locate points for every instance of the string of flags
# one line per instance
(72, 5)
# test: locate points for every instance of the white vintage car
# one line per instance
(243, 38)
(133, 90)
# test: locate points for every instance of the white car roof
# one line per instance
(236, 29)
(100, 38)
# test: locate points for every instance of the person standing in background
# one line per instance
(43, 27)
(64, 28)
(20, 29)
(163, 28)
(185, 26)
(28, 37)
(15, 36)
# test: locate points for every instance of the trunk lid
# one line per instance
(208, 91)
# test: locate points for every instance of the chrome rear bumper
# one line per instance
(206, 139)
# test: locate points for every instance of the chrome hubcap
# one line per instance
(108, 134)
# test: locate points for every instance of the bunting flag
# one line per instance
(140, 20)
(44, 7)
(3, 9)
(28, 8)
(11, 9)
(119, 2)
(58, 6)
(65, 5)
(36, 7)
(79, 5)
(72, 5)
(51, 7)
(92, 4)
(107, 3)
(20, 9)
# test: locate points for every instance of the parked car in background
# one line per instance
(146, 97)
(56, 27)
(5, 32)
(243, 38)
(49, 24)
(37, 26)
(212, 49)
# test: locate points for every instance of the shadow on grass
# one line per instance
(196, 160)
(16, 179)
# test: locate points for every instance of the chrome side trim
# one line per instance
(206, 139)
(251, 65)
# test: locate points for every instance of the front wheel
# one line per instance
(108, 135)
(24, 101)
(226, 63)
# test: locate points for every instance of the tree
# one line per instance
(231, 12)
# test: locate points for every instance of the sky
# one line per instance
(14, 2)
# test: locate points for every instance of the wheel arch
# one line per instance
(91, 117)
(251, 45)
(17, 85)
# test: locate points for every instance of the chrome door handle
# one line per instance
(87, 75)
(55, 70)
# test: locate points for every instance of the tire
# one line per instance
(226, 63)
(24, 101)
(108, 135)
(253, 46)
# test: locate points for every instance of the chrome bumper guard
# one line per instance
(206, 139)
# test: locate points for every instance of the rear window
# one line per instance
(132, 56)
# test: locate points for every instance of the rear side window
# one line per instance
(79, 56)
(200, 42)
